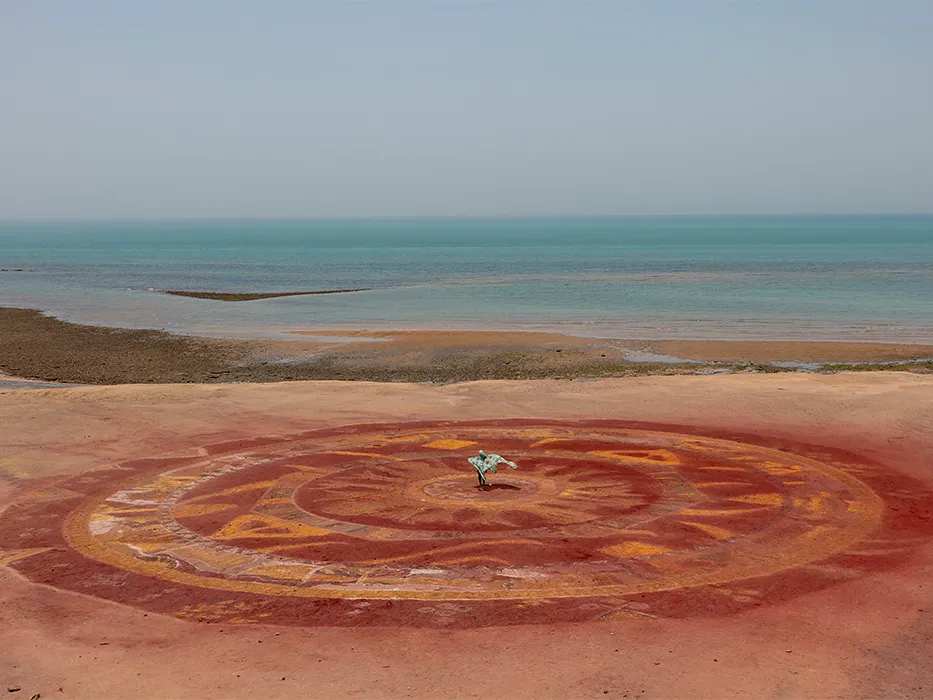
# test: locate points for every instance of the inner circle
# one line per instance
(440, 493)
(465, 489)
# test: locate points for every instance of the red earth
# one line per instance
(621, 553)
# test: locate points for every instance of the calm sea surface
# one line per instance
(854, 278)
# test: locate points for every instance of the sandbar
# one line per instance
(254, 296)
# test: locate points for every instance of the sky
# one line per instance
(312, 108)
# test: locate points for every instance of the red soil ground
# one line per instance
(854, 624)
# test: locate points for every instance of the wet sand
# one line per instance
(695, 350)
(38, 347)
(34, 346)
(865, 636)
(788, 351)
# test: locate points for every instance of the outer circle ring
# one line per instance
(815, 545)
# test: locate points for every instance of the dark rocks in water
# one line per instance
(253, 296)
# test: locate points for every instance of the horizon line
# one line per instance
(449, 217)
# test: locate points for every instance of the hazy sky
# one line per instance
(288, 108)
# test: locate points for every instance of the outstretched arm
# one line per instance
(496, 459)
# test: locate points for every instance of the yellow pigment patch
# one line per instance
(643, 533)
(764, 499)
(170, 483)
(287, 571)
(645, 456)
(633, 550)
(720, 533)
(816, 506)
(257, 525)
(152, 534)
(449, 444)
(274, 501)
(717, 511)
(776, 469)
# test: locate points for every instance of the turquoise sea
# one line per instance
(851, 278)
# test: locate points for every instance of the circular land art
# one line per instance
(385, 525)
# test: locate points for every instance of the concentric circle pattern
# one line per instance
(386, 525)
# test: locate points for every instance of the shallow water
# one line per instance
(29, 384)
(850, 278)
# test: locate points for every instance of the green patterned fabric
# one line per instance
(488, 463)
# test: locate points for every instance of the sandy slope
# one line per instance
(866, 637)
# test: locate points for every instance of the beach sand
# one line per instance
(866, 635)
(39, 347)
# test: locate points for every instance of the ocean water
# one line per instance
(848, 278)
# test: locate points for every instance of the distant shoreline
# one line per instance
(253, 296)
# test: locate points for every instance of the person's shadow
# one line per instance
(496, 487)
